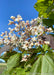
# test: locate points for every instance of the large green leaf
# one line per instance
(47, 66)
(50, 53)
(43, 66)
(51, 11)
(16, 71)
(36, 67)
(13, 61)
(46, 9)
(41, 6)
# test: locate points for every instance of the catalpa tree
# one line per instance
(34, 42)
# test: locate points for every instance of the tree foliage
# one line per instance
(46, 9)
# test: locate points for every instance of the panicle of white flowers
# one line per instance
(24, 31)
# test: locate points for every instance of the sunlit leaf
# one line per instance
(41, 6)
(13, 61)
(43, 66)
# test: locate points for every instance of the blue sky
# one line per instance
(14, 7)
(2, 60)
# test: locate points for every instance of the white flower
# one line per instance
(2, 33)
(36, 33)
(50, 29)
(25, 56)
(16, 29)
(16, 45)
(27, 21)
(35, 28)
(6, 32)
(31, 21)
(22, 34)
(20, 40)
(14, 38)
(6, 36)
(26, 42)
(25, 46)
(38, 17)
(1, 41)
(34, 39)
(11, 22)
(23, 60)
(31, 44)
(35, 19)
(37, 44)
(18, 18)
(6, 40)
(12, 17)
(9, 35)
(41, 32)
(16, 25)
(47, 42)
(30, 28)
(23, 22)
(9, 28)
(33, 32)
(29, 47)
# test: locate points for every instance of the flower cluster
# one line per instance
(25, 34)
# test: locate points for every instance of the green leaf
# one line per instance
(36, 67)
(41, 6)
(19, 71)
(47, 65)
(48, 22)
(50, 9)
(41, 0)
(27, 68)
(16, 71)
(50, 53)
(13, 61)
(43, 66)
(51, 16)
